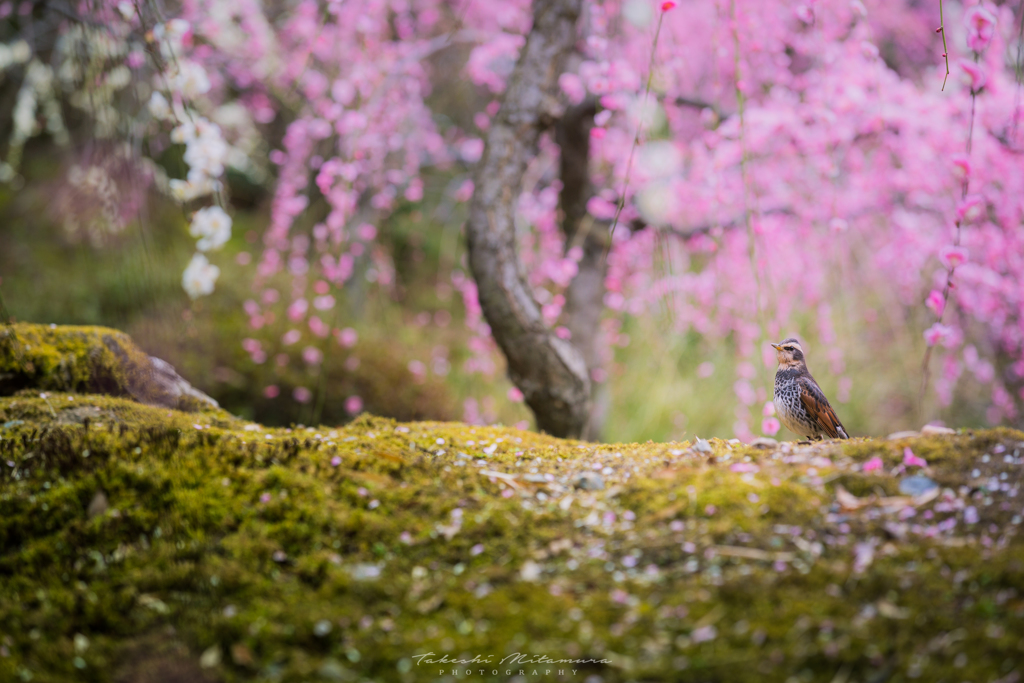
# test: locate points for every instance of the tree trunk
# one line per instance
(551, 372)
(584, 298)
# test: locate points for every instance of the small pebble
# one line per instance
(917, 485)
(589, 481)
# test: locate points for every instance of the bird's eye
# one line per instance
(789, 348)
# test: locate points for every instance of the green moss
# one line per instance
(238, 552)
(95, 360)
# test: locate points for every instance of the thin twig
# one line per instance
(964, 186)
(748, 218)
(636, 138)
(945, 50)
(1019, 73)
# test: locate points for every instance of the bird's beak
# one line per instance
(776, 347)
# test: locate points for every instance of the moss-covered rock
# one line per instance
(136, 539)
(94, 360)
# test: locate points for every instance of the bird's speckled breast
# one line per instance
(788, 406)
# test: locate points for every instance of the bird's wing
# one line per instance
(820, 411)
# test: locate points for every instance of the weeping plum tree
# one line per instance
(550, 371)
(761, 160)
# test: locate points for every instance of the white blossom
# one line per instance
(186, 190)
(17, 52)
(184, 133)
(212, 226)
(205, 156)
(206, 153)
(189, 79)
(199, 276)
(159, 107)
(170, 37)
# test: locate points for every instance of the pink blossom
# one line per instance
(600, 208)
(971, 208)
(417, 368)
(297, 309)
(366, 232)
(573, 87)
(953, 257)
(318, 327)
(290, 337)
(515, 395)
(323, 303)
(935, 302)
(668, 5)
(971, 515)
(743, 467)
(873, 464)
(271, 391)
(976, 74)
(312, 355)
(347, 337)
(938, 333)
(465, 191)
(770, 426)
(911, 460)
(302, 394)
(768, 409)
(744, 392)
(353, 404)
(981, 27)
(703, 634)
(472, 149)
(962, 166)
(863, 555)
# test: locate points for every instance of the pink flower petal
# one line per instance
(874, 464)
(911, 460)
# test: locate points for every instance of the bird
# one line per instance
(799, 401)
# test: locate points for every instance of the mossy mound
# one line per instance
(90, 360)
(146, 544)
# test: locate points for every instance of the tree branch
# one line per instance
(584, 297)
(697, 103)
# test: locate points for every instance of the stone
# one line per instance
(929, 430)
(589, 481)
(909, 434)
(98, 505)
(917, 485)
(702, 446)
(91, 360)
(765, 442)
